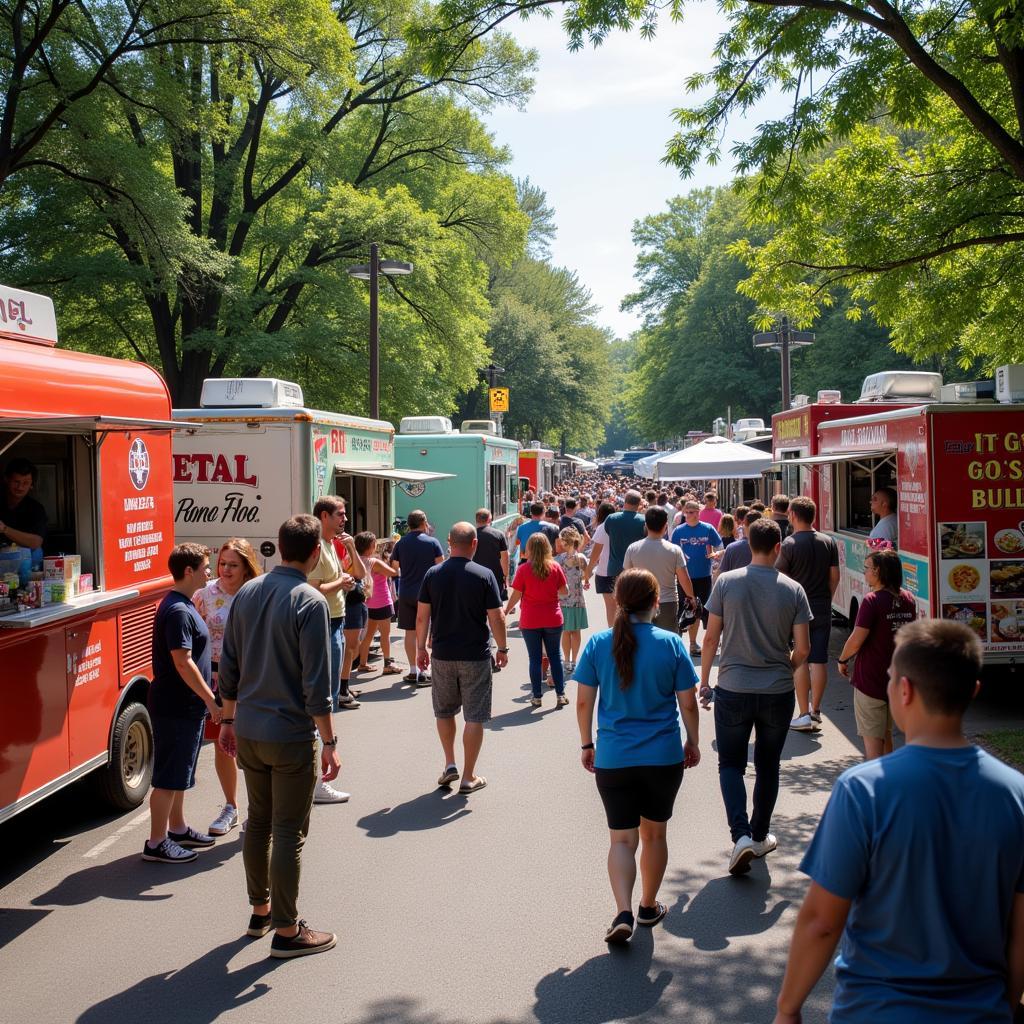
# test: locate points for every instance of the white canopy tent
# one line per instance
(714, 458)
(582, 465)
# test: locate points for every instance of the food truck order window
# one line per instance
(498, 486)
(857, 480)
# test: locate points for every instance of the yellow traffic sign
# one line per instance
(498, 398)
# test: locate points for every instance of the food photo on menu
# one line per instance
(1009, 542)
(1006, 579)
(962, 540)
(974, 616)
(1007, 622)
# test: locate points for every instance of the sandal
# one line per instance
(471, 787)
(536, 702)
(390, 668)
(448, 776)
(648, 916)
(410, 677)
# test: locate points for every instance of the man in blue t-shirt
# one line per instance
(179, 699)
(526, 530)
(412, 556)
(698, 540)
(918, 862)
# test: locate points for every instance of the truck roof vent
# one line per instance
(1009, 383)
(901, 386)
(425, 425)
(250, 393)
(971, 391)
(479, 427)
(830, 397)
(800, 401)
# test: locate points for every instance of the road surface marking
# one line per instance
(105, 844)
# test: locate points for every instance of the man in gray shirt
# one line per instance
(757, 612)
(275, 682)
(666, 561)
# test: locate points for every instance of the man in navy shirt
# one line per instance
(179, 700)
(623, 528)
(458, 600)
(413, 555)
(918, 862)
(698, 541)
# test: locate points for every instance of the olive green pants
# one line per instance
(279, 779)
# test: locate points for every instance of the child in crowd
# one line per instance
(574, 609)
(380, 605)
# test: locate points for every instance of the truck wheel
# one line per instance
(125, 781)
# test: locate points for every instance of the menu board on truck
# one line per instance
(979, 520)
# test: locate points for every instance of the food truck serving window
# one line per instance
(857, 480)
(498, 486)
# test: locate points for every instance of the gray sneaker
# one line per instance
(327, 794)
(803, 723)
(742, 854)
(225, 821)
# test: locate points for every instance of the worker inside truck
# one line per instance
(863, 483)
(22, 518)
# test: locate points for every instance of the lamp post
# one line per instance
(371, 272)
(782, 341)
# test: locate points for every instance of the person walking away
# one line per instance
(535, 522)
(668, 564)
(739, 514)
(640, 680)
(698, 541)
(574, 607)
(460, 605)
(711, 513)
(540, 583)
(379, 605)
(883, 505)
(623, 528)
(491, 550)
(727, 529)
(413, 555)
(179, 700)
(780, 513)
(598, 564)
(757, 612)
(236, 564)
(278, 695)
(885, 609)
(919, 941)
(574, 521)
(812, 559)
(737, 554)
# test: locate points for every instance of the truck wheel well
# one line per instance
(136, 691)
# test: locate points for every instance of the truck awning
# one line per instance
(87, 424)
(397, 474)
(829, 457)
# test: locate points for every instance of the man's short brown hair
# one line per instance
(763, 535)
(416, 519)
(186, 556)
(632, 498)
(943, 659)
(298, 538)
(327, 505)
(804, 509)
(483, 515)
(780, 503)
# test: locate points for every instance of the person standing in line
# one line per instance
(757, 613)
(739, 514)
(780, 514)
(711, 513)
(549, 525)
(574, 607)
(737, 554)
(727, 529)
(179, 700)
(572, 520)
(699, 542)
(535, 510)
(236, 564)
(355, 610)
(641, 680)
(585, 512)
(922, 939)
(413, 555)
(491, 550)
(278, 695)
(379, 604)
(540, 583)
(884, 610)
(812, 559)
(460, 605)
(668, 564)
(598, 564)
(883, 505)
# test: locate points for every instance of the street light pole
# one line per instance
(784, 338)
(782, 341)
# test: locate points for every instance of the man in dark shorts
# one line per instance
(458, 600)
(179, 701)
(491, 549)
(812, 559)
(22, 519)
(413, 555)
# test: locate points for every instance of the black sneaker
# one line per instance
(259, 925)
(304, 943)
(168, 852)
(191, 839)
(621, 929)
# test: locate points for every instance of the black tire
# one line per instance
(125, 781)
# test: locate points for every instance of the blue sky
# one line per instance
(593, 135)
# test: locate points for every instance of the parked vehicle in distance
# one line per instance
(743, 430)
(624, 466)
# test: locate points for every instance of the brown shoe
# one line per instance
(304, 943)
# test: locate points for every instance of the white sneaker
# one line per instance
(224, 822)
(803, 724)
(766, 845)
(742, 854)
(326, 794)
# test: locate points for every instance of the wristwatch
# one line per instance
(330, 743)
(503, 650)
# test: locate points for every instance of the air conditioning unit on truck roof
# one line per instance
(250, 393)
(478, 427)
(901, 386)
(425, 425)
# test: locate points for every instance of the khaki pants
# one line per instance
(279, 780)
(668, 616)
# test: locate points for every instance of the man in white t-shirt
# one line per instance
(883, 505)
(666, 561)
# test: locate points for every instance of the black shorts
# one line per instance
(407, 612)
(355, 615)
(644, 791)
(176, 743)
(819, 641)
(381, 614)
(701, 591)
(605, 584)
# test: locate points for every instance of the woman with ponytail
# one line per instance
(639, 678)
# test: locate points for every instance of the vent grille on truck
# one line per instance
(136, 639)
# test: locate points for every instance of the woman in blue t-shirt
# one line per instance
(638, 677)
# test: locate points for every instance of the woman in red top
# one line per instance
(539, 583)
(882, 612)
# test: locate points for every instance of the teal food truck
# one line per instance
(257, 456)
(482, 472)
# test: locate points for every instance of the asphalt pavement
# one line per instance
(449, 909)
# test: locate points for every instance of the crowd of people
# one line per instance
(264, 661)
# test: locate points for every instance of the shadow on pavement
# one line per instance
(396, 691)
(430, 810)
(130, 877)
(810, 778)
(525, 715)
(199, 992)
(16, 921)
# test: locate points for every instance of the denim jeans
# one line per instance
(537, 641)
(337, 658)
(735, 715)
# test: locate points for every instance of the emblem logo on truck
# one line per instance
(414, 488)
(138, 463)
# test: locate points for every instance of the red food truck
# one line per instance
(536, 470)
(76, 669)
(958, 474)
